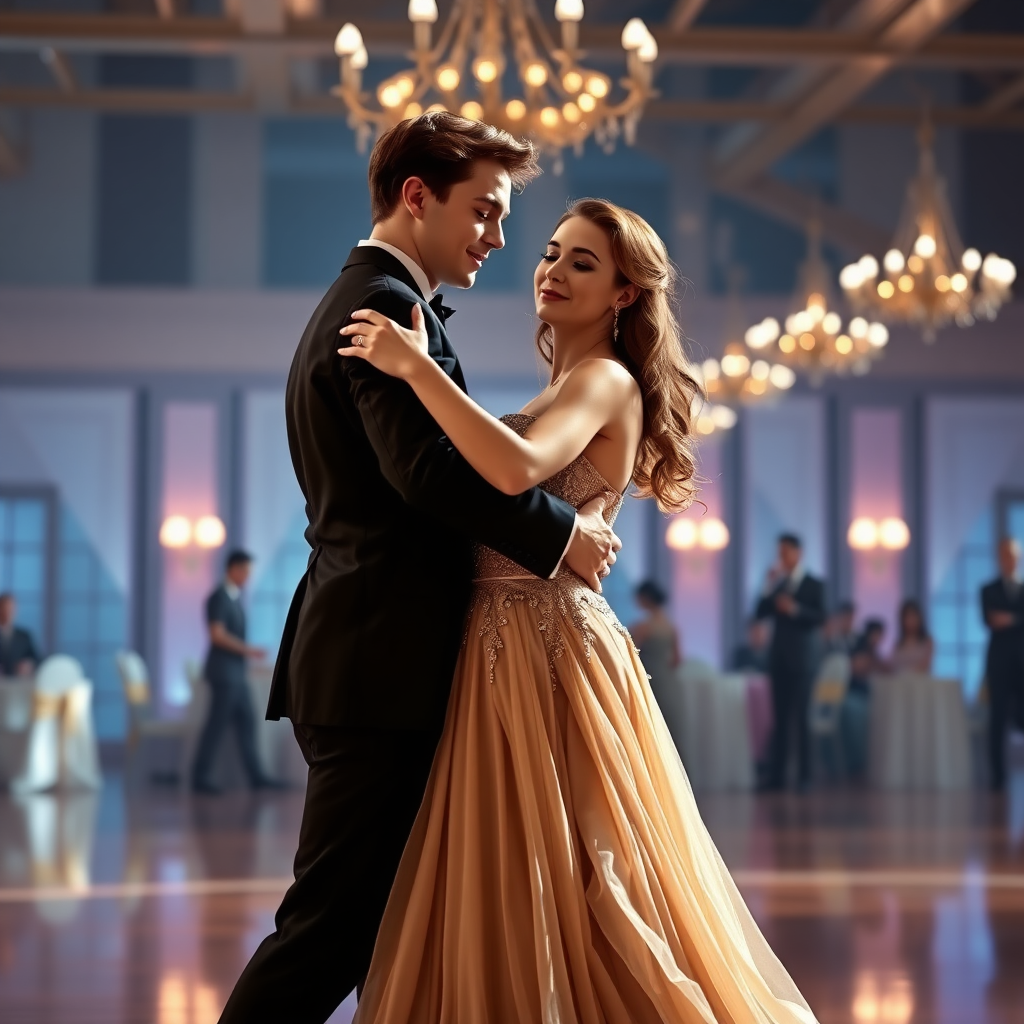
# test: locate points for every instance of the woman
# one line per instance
(559, 870)
(915, 647)
(866, 663)
(657, 642)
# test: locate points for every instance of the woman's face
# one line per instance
(911, 622)
(576, 283)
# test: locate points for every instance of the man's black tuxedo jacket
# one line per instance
(375, 626)
(795, 638)
(1005, 646)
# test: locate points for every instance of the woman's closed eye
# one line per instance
(552, 257)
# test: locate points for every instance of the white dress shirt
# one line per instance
(420, 277)
(408, 262)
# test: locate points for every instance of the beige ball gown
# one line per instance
(559, 871)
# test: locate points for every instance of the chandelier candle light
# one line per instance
(814, 340)
(927, 278)
(562, 103)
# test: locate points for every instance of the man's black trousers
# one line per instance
(363, 793)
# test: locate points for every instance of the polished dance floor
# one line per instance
(142, 907)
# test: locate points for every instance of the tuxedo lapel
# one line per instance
(441, 349)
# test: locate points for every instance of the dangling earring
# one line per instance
(615, 325)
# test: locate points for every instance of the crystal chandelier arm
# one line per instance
(463, 37)
(532, 15)
(444, 40)
(427, 61)
(522, 42)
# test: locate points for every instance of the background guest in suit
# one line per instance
(657, 639)
(914, 648)
(795, 601)
(230, 700)
(840, 636)
(865, 662)
(1002, 607)
(18, 654)
(752, 654)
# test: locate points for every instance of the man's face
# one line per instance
(1009, 558)
(454, 238)
(789, 556)
(8, 610)
(239, 573)
(844, 622)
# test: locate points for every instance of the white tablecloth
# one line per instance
(715, 728)
(919, 733)
(47, 740)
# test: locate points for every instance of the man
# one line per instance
(795, 601)
(18, 654)
(1002, 607)
(369, 648)
(230, 701)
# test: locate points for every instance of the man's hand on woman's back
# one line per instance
(591, 552)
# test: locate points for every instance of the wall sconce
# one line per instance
(706, 534)
(866, 534)
(205, 532)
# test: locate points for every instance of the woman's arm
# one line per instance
(593, 393)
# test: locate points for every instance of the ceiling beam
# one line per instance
(61, 69)
(111, 33)
(828, 97)
(865, 18)
(724, 111)
(678, 111)
(683, 14)
(153, 101)
(797, 208)
(1006, 97)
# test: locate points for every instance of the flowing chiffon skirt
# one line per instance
(559, 870)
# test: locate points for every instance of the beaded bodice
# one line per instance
(577, 484)
(563, 602)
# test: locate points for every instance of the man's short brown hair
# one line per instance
(440, 149)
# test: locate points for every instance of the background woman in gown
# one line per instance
(559, 870)
(657, 641)
(914, 648)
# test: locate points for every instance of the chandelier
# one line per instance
(929, 278)
(740, 376)
(562, 102)
(814, 341)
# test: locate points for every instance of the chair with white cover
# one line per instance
(146, 730)
(62, 747)
(827, 698)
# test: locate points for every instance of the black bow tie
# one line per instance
(441, 311)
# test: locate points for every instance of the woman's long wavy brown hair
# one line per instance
(650, 345)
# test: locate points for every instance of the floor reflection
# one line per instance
(141, 907)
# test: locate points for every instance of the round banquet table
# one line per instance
(920, 736)
(716, 739)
